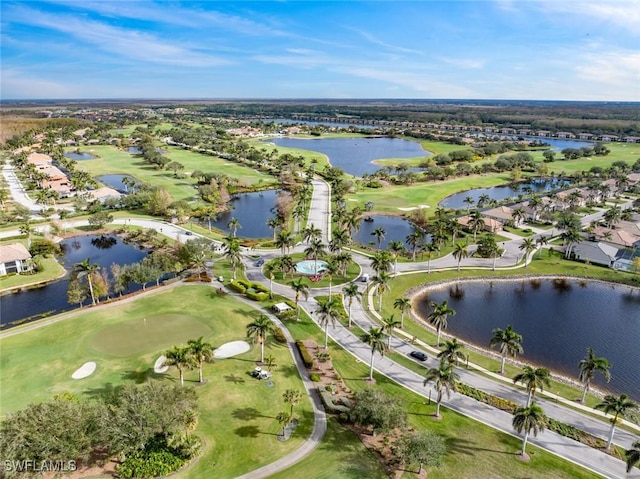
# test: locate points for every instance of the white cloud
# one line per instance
(388, 46)
(620, 13)
(619, 70)
(16, 84)
(468, 63)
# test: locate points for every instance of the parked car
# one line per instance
(419, 355)
(188, 233)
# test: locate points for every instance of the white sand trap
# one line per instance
(419, 207)
(86, 370)
(233, 348)
(159, 366)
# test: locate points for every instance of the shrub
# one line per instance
(306, 357)
(237, 286)
(315, 377)
(279, 336)
(256, 296)
(343, 417)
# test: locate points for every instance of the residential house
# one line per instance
(103, 194)
(593, 252)
(503, 214)
(14, 258)
(490, 225)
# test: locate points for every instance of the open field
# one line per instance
(237, 412)
(320, 159)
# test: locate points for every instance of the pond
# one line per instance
(502, 192)
(52, 299)
(79, 156)
(328, 124)
(134, 150)
(396, 229)
(558, 144)
(252, 210)
(356, 155)
(558, 320)
(115, 182)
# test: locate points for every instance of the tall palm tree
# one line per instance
(88, 268)
(476, 223)
(232, 253)
(454, 228)
(379, 233)
(395, 248)
(444, 379)
(201, 352)
(350, 293)
(403, 304)
(468, 201)
(619, 407)
(284, 241)
(302, 290)
(439, 316)
(541, 241)
(315, 249)
(181, 358)
(273, 223)
(375, 339)
(269, 271)
(381, 283)
(588, 366)
(452, 352)
(234, 225)
(415, 240)
(259, 329)
(528, 245)
(331, 269)
(328, 314)
(529, 419)
(508, 342)
(339, 239)
(460, 251)
(286, 264)
(388, 325)
(283, 418)
(292, 397)
(632, 456)
(533, 379)
(311, 232)
(381, 261)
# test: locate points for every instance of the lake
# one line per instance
(558, 320)
(79, 156)
(356, 155)
(115, 182)
(252, 210)
(52, 299)
(396, 229)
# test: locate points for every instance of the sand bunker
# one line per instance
(233, 348)
(86, 370)
(159, 366)
(419, 207)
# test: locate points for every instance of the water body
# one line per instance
(558, 144)
(252, 210)
(329, 124)
(115, 182)
(79, 156)
(500, 193)
(356, 155)
(558, 322)
(52, 299)
(396, 228)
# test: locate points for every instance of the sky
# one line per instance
(455, 49)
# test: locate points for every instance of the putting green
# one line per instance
(148, 334)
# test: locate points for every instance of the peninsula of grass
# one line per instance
(237, 412)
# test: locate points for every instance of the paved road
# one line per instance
(17, 191)
(320, 209)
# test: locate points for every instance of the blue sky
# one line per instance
(506, 49)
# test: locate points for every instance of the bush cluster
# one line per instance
(279, 336)
(306, 357)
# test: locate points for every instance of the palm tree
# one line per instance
(292, 397)
(468, 201)
(285, 264)
(588, 366)
(379, 233)
(284, 241)
(533, 379)
(632, 456)
(529, 419)
(201, 352)
(181, 358)
(404, 305)
(339, 239)
(301, 289)
(259, 329)
(331, 269)
(27, 230)
(452, 352)
(350, 293)
(415, 240)
(315, 249)
(388, 325)
(274, 223)
(476, 223)
(232, 253)
(396, 248)
(327, 314)
(454, 229)
(508, 342)
(438, 317)
(311, 232)
(540, 242)
(234, 225)
(87, 268)
(381, 283)
(460, 251)
(444, 379)
(381, 261)
(283, 419)
(528, 245)
(269, 271)
(618, 406)
(483, 200)
(375, 339)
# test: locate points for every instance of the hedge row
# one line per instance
(251, 290)
(279, 336)
(306, 357)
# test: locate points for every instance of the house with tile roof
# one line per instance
(14, 258)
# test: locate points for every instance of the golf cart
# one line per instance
(260, 374)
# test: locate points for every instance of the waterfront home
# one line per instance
(14, 258)
(490, 225)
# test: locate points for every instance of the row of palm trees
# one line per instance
(194, 354)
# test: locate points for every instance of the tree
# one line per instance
(632, 456)
(460, 251)
(284, 240)
(76, 293)
(438, 317)
(452, 352)
(331, 269)
(377, 410)
(379, 233)
(232, 253)
(468, 201)
(273, 223)
(292, 397)
(476, 223)
(311, 233)
(201, 351)
(350, 293)
(259, 329)
(159, 201)
(283, 418)
(381, 261)
(375, 339)
(533, 379)
(528, 245)
(381, 283)
(327, 314)
(234, 225)
(100, 219)
(27, 230)
(302, 290)
(529, 419)
(404, 305)
(396, 248)
(181, 358)
(415, 240)
(388, 325)
(619, 407)
(508, 342)
(315, 249)
(540, 242)
(420, 447)
(86, 268)
(588, 366)
(444, 380)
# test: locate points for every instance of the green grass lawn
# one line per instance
(51, 270)
(237, 412)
